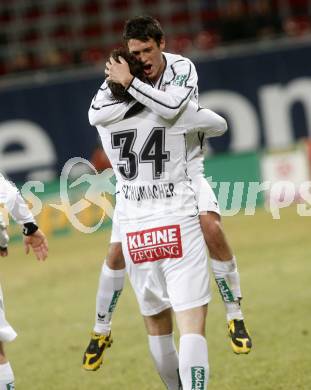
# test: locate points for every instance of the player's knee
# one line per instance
(115, 259)
(192, 320)
(159, 324)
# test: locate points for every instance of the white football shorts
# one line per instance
(7, 333)
(167, 264)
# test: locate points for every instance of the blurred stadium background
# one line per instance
(253, 59)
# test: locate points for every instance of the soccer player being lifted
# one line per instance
(33, 238)
(171, 83)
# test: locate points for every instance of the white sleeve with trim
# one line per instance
(104, 110)
(169, 103)
(196, 119)
(15, 204)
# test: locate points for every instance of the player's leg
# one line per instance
(110, 286)
(162, 348)
(224, 267)
(181, 282)
(150, 289)
(111, 282)
(187, 282)
(6, 372)
(193, 351)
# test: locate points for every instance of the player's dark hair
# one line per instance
(119, 93)
(143, 28)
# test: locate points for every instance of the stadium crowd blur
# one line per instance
(61, 34)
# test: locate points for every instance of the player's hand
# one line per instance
(118, 72)
(3, 252)
(39, 244)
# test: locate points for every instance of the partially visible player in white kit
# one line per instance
(33, 238)
(174, 84)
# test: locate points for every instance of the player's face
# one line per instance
(150, 54)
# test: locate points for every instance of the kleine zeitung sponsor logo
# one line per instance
(155, 244)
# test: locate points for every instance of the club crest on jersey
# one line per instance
(155, 244)
(179, 80)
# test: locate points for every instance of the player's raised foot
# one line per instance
(93, 356)
(241, 341)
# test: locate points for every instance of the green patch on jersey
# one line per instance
(10, 386)
(179, 80)
(197, 378)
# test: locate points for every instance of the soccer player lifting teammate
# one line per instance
(171, 85)
(157, 218)
(33, 238)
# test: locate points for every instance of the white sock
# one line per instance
(6, 377)
(110, 286)
(193, 362)
(164, 353)
(228, 280)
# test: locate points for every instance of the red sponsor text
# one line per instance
(155, 244)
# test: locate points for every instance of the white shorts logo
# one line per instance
(155, 244)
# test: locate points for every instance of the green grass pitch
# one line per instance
(51, 306)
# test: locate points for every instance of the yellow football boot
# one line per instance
(93, 356)
(240, 338)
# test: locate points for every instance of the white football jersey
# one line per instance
(167, 98)
(149, 156)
